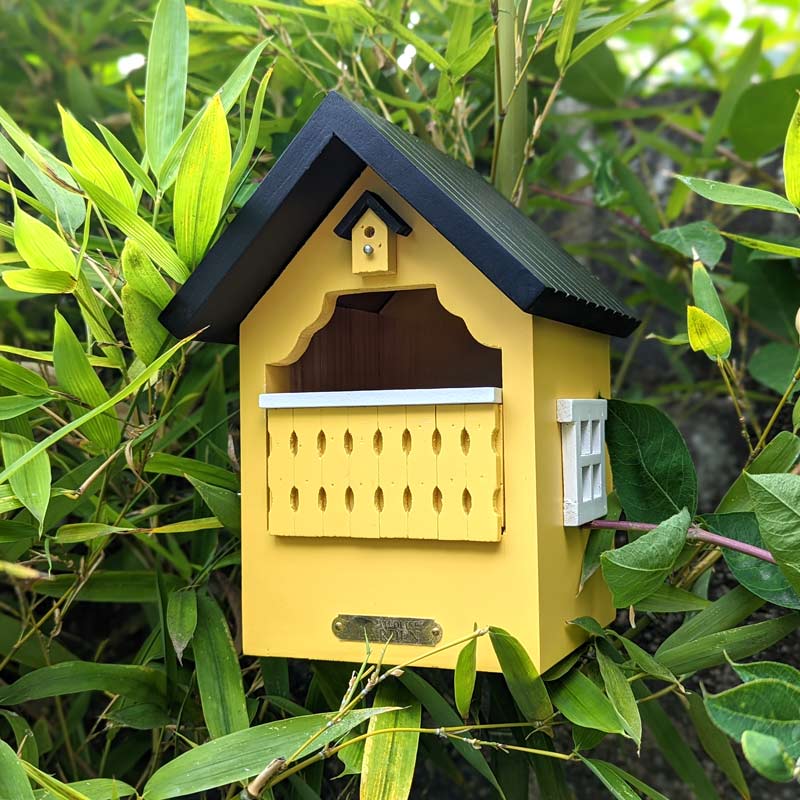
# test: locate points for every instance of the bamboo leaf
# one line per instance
(20, 380)
(387, 768)
(706, 334)
(791, 159)
(40, 246)
(763, 245)
(145, 333)
(127, 161)
(732, 195)
(14, 406)
(224, 504)
(218, 675)
(180, 466)
(464, 677)
(200, 185)
(14, 783)
(620, 694)
(583, 703)
(92, 160)
(32, 483)
(571, 12)
(618, 782)
(165, 82)
(78, 378)
(181, 619)
(141, 275)
(39, 281)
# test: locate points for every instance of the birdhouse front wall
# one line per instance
(433, 566)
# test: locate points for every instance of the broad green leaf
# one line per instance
(700, 237)
(571, 10)
(141, 275)
(31, 484)
(757, 670)
(774, 365)
(40, 246)
(762, 578)
(618, 782)
(218, 677)
(780, 455)
(14, 783)
(620, 694)
(653, 471)
(764, 245)
(165, 82)
(389, 759)
(127, 161)
(20, 380)
(200, 185)
(133, 226)
(769, 706)
(145, 333)
(636, 570)
(39, 281)
(442, 714)
(716, 745)
(93, 161)
(224, 504)
(791, 159)
(706, 334)
(777, 505)
(582, 703)
(668, 599)
(610, 29)
(65, 430)
(598, 541)
(180, 466)
(738, 80)
(181, 619)
(712, 649)
(732, 195)
(77, 377)
(523, 680)
(69, 677)
(768, 756)
(464, 677)
(242, 755)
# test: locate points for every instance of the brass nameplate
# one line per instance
(397, 630)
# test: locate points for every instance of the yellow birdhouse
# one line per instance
(421, 417)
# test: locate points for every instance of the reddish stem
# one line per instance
(696, 534)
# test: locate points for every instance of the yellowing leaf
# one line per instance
(140, 274)
(93, 161)
(200, 185)
(41, 246)
(20, 571)
(145, 333)
(706, 334)
(39, 281)
(791, 159)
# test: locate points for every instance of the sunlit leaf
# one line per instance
(706, 334)
(40, 246)
(39, 281)
(31, 484)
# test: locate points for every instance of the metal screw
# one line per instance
(436, 632)
(368, 250)
(338, 626)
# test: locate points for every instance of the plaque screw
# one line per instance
(436, 632)
(338, 626)
(368, 249)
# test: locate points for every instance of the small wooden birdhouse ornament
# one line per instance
(422, 414)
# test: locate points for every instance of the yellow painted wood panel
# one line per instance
(281, 472)
(484, 470)
(451, 472)
(393, 472)
(308, 516)
(336, 471)
(423, 517)
(364, 514)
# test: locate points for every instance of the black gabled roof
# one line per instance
(337, 143)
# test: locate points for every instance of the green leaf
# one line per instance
(389, 759)
(757, 670)
(141, 275)
(95, 789)
(645, 662)
(791, 159)
(23, 735)
(93, 161)
(768, 756)
(636, 570)
(763, 245)
(716, 745)
(134, 682)
(77, 377)
(38, 281)
(224, 504)
(618, 782)
(145, 333)
(30, 653)
(705, 295)
(181, 619)
(582, 703)
(668, 599)
(218, 677)
(774, 365)
(180, 466)
(127, 161)
(526, 686)
(732, 195)
(109, 586)
(132, 225)
(32, 483)
(620, 694)
(762, 115)
(652, 468)
(244, 754)
(40, 246)
(200, 185)
(706, 334)
(762, 578)
(780, 455)
(461, 66)
(777, 504)
(769, 706)
(165, 82)
(571, 10)
(741, 74)
(464, 677)
(14, 783)
(700, 237)
(20, 380)
(714, 648)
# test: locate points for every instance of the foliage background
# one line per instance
(668, 94)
